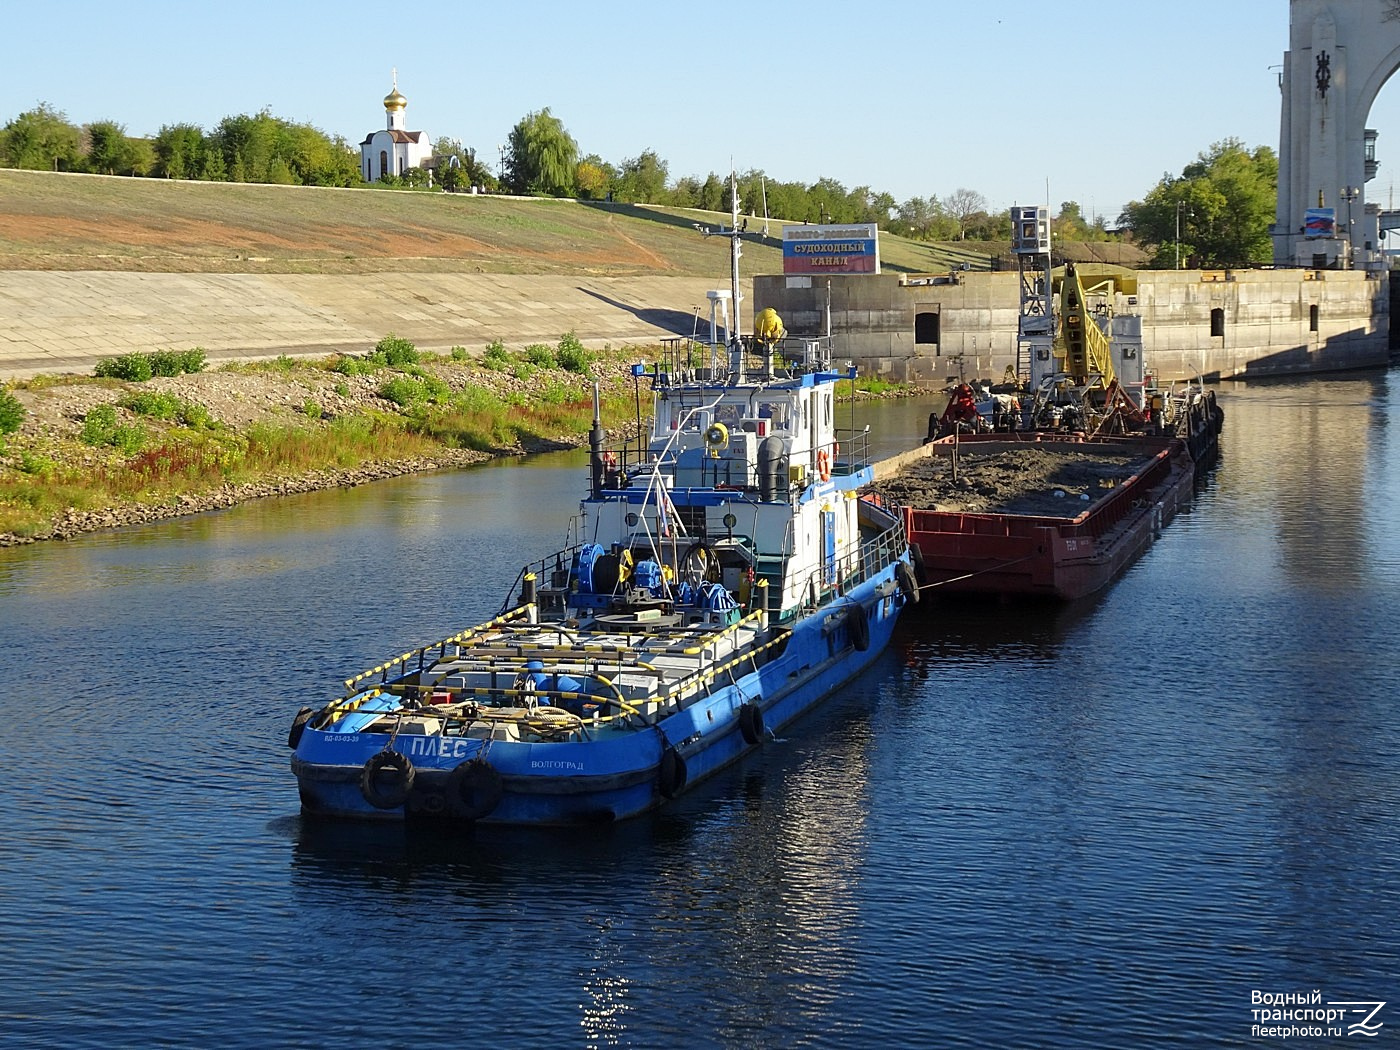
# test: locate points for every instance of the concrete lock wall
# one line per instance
(1226, 323)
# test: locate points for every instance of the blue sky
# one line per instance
(1092, 101)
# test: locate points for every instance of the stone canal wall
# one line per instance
(59, 321)
(1230, 323)
(923, 328)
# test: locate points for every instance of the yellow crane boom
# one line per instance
(1080, 340)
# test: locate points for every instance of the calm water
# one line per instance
(1104, 825)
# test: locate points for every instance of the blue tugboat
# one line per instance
(727, 578)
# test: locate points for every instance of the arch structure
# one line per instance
(1340, 54)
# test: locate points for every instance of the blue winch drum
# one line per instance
(587, 559)
(713, 596)
(647, 574)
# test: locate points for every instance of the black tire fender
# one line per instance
(750, 722)
(298, 727)
(908, 581)
(670, 773)
(474, 789)
(916, 558)
(386, 779)
(858, 628)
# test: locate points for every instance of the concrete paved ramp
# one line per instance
(66, 321)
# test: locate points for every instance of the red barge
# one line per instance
(1061, 555)
(1082, 462)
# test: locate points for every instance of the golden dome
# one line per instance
(393, 100)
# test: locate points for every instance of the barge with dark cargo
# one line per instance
(1054, 483)
(1054, 516)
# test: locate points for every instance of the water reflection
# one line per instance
(1308, 460)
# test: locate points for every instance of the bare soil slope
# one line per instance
(64, 221)
(58, 221)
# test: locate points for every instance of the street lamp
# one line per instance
(1180, 205)
(1350, 194)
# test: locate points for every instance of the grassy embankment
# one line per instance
(60, 221)
(148, 447)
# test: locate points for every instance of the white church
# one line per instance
(394, 150)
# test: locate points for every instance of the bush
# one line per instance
(36, 465)
(461, 353)
(349, 365)
(154, 404)
(557, 394)
(98, 425)
(404, 391)
(137, 368)
(408, 391)
(166, 363)
(100, 428)
(11, 412)
(134, 368)
(197, 416)
(539, 354)
(128, 439)
(160, 405)
(572, 355)
(496, 357)
(396, 352)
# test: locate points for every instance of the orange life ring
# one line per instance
(824, 465)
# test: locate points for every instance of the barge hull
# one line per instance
(1050, 556)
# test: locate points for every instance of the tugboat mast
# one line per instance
(735, 250)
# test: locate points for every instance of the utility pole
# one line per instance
(1179, 206)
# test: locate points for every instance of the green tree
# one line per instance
(924, 220)
(1222, 203)
(540, 157)
(882, 206)
(593, 177)
(279, 173)
(265, 148)
(962, 205)
(455, 164)
(211, 166)
(686, 192)
(712, 193)
(444, 149)
(317, 159)
(1069, 224)
(989, 226)
(40, 139)
(109, 151)
(248, 144)
(642, 179)
(179, 150)
(830, 200)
